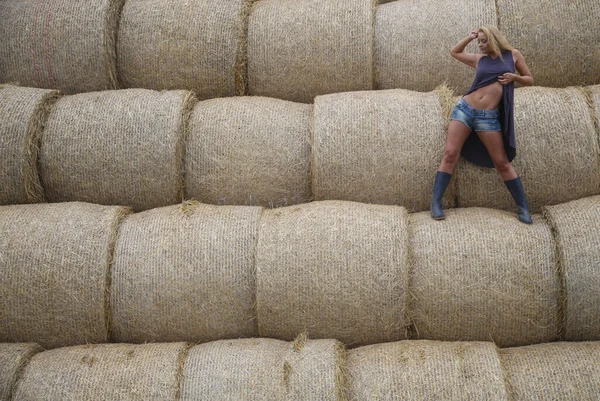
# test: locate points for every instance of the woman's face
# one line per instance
(484, 46)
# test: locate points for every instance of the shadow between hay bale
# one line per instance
(13, 359)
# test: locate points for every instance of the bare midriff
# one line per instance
(486, 98)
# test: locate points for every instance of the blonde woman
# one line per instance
(482, 126)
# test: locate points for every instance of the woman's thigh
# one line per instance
(495, 146)
(458, 133)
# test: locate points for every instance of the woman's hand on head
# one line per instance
(473, 34)
(507, 78)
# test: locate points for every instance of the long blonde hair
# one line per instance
(496, 40)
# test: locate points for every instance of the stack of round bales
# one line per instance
(59, 44)
(13, 358)
(116, 148)
(249, 151)
(298, 49)
(181, 44)
(23, 112)
(54, 270)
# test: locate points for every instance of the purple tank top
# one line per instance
(488, 71)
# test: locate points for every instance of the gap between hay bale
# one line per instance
(241, 57)
(113, 18)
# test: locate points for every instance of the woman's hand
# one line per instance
(507, 78)
(473, 34)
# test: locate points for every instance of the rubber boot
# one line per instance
(439, 187)
(515, 187)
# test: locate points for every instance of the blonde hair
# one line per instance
(496, 40)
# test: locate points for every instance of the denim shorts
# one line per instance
(476, 119)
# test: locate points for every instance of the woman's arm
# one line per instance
(525, 78)
(458, 51)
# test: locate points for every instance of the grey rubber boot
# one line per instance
(439, 187)
(515, 187)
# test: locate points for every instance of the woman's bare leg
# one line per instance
(495, 146)
(457, 135)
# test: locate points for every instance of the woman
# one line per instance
(481, 127)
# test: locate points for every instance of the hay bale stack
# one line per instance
(378, 147)
(559, 371)
(178, 44)
(336, 269)
(22, 115)
(557, 153)
(577, 228)
(249, 151)
(116, 148)
(298, 49)
(104, 372)
(426, 370)
(558, 39)
(185, 273)
(265, 370)
(13, 358)
(59, 44)
(482, 275)
(412, 53)
(54, 272)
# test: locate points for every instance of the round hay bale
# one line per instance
(379, 147)
(13, 358)
(22, 115)
(54, 272)
(249, 151)
(185, 273)
(482, 275)
(413, 39)
(264, 370)
(576, 226)
(298, 49)
(593, 98)
(116, 148)
(557, 154)
(59, 44)
(104, 372)
(559, 40)
(178, 44)
(336, 269)
(426, 370)
(559, 371)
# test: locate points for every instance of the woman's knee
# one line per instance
(451, 156)
(503, 165)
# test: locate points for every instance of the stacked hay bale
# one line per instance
(116, 148)
(23, 112)
(482, 275)
(378, 147)
(185, 273)
(327, 268)
(559, 40)
(13, 358)
(103, 372)
(249, 151)
(54, 263)
(576, 226)
(178, 44)
(265, 369)
(557, 153)
(413, 40)
(298, 49)
(59, 44)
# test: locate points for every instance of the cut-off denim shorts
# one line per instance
(476, 119)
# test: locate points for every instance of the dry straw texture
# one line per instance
(23, 112)
(413, 39)
(593, 98)
(482, 275)
(13, 358)
(557, 153)
(426, 370)
(336, 269)
(116, 148)
(559, 371)
(103, 372)
(53, 269)
(249, 151)
(379, 147)
(59, 44)
(264, 370)
(298, 49)
(181, 44)
(577, 228)
(559, 39)
(185, 273)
